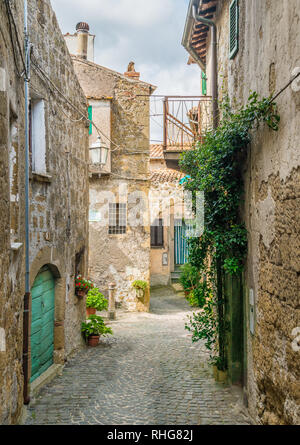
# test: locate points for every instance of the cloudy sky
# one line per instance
(149, 32)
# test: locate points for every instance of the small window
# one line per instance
(90, 111)
(37, 136)
(157, 233)
(203, 83)
(117, 218)
(233, 28)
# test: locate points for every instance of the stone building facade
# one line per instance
(119, 107)
(266, 56)
(58, 211)
(12, 234)
(164, 184)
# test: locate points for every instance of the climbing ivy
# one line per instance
(215, 167)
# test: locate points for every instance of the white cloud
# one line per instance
(149, 32)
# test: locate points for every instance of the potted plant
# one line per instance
(82, 286)
(93, 328)
(140, 286)
(95, 301)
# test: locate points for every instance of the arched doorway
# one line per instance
(42, 322)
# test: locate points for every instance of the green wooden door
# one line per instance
(42, 323)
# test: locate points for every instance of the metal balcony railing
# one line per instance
(186, 119)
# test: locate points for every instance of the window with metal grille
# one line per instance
(233, 28)
(117, 218)
(157, 233)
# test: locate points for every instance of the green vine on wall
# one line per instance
(215, 167)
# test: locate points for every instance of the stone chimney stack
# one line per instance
(82, 29)
(131, 73)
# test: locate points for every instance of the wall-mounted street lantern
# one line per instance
(99, 152)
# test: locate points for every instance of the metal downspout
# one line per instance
(27, 270)
(213, 27)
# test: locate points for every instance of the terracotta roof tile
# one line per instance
(166, 175)
(200, 34)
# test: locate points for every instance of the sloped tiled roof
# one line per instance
(200, 33)
(166, 175)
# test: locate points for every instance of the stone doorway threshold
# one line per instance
(44, 379)
(37, 385)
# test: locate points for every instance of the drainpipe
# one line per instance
(214, 87)
(193, 15)
(27, 270)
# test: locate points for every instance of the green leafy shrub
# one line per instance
(199, 296)
(189, 277)
(215, 168)
(203, 325)
(96, 300)
(95, 326)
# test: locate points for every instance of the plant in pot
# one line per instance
(82, 286)
(140, 287)
(93, 328)
(95, 301)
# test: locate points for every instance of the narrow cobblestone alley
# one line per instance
(149, 372)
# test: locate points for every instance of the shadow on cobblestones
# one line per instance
(149, 373)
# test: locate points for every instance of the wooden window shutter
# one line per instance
(90, 111)
(204, 84)
(233, 28)
(157, 233)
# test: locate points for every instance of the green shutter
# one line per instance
(233, 28)
(204, 85)
(90, 110)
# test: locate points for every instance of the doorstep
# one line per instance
(44, 379)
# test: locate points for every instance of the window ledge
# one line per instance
(41, 177)
(16, 246)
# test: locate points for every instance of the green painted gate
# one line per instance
(181, 243)
(42, 323)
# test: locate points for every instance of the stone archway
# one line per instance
(48, 258)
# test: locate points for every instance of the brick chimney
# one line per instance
(131, 73)
(82, 29)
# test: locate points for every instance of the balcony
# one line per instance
(186, 119)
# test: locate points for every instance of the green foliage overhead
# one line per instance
(215, 169)
(95, 326)
(96, 300)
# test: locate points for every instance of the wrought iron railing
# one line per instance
(186, 119)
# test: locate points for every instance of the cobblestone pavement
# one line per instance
(148, 373)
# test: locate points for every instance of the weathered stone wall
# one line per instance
(269, 50)
(12, 220)
(59, 198)
(121, 258)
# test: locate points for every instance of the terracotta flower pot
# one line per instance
(90, 311)
(93, 340)
(80, 292)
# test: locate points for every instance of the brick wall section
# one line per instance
(11, 263)
(269, 47)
